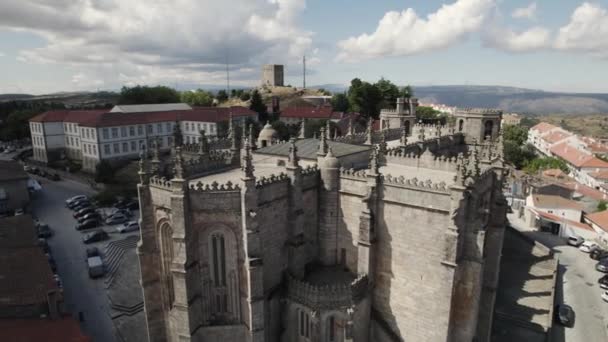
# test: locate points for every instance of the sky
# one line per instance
(74, 45)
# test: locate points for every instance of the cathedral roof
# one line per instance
(307, 149)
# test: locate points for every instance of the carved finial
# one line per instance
(143, 167)
(203, 145)
(476, 161)
(328, 130)
(382, 146)
(251, 139)
(178, 167)
(302, 134)
(233, 142)
(230, 126)
(178, 139)
(368, 132)
(403, 139)
(293, 153)
(374, 164)
(243, 135)
(323, 143)
(350, 130)
(156, 156)
(246, 162)
(438, 131)
(421, 136)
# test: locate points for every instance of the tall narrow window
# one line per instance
(218, 249)
(166, 252)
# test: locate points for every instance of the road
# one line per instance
(576, 286)
(82, 294)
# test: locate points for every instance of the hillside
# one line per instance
(510, 99)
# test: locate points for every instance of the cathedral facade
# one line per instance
(357, 238)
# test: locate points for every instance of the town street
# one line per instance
(82, 294)
(576, 286)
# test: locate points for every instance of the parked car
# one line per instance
(55, 177)
(588, 246)
(117, 219)
(602, 265)
(125, 212)
(90, 216)
(130, 226)
(95, 266)
(79, 203)
(575, 240)
(71, 200)
(87, 225)
(598, 254)
(564, 315)
(603, 281)
(19, 212)
(44, 231)
(92, 251)
(96, 236)
(82, 205)
(44, 245)
(83, 211)
(605, 296)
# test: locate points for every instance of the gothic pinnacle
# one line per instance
(246, 163)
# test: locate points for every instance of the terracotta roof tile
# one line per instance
(577, 157)
(543, 127)
(550, 201)
(600, 218)
(557, 136)
(603, 174)
(319, 112)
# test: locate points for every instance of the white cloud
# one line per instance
(160, 41)
(587, 31)
(528, 12)
(406, 33)
(535, 38)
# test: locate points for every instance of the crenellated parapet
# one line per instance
(480, 111)
(333, 296)
(160, 182)
(310, 170)
(425, 160)
(352, 173)
(215, 187)
(264, 181)
(426, 185)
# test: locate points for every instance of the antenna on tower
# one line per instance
(304, 71)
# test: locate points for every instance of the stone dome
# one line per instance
(268, 133)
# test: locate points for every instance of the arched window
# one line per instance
(489, 125)
(166, 254)
(460, 125)
(218, 271)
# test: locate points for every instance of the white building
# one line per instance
(123, 131)
(558, 215)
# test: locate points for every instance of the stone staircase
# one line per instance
(114, 253)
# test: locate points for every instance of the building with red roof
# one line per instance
(584, 167)
(599, 222)
(123, 131)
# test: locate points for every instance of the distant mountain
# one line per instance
(510, 99)
(11, 97)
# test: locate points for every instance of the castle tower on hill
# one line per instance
(319, 240)
(273, 75)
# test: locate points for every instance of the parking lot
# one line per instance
(82, 294)
(577, 286)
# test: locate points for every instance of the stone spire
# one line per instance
(230, 126)
(421, 136)
(233, 141)
(246, 162)
(302, 134)
(350, 130)
(143, 167)
(243, 135)
(251, 139)
(203, 145)
(403, 139)
(374, 163)
(178, 138)
(327, 130)
(178, 164)
(335, 135)
(323, 143)
(156, 157)
(476, 160)
(382, 146)
(293, 154)
(438, 131)
(369, 131)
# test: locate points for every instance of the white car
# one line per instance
(605, 296)
(588, 246)
(130, 226)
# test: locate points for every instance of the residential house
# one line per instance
(599, 222)
(14, 192)
(581, 163)
(557, 215)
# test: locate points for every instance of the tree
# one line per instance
(148, 95)
(104, 172)
(602, 205)
(389, 91)
(222, 96)
(540, 164)
(257, 105)
(197, 98)
(406, 92)
(528, 122)
(245, 96)
(340, 102)
(427, 113)
(365, 98)
(517, 134)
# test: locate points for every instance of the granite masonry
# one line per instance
(356, 238)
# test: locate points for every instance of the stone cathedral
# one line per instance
(389, 235)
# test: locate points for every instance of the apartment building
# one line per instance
(123, 131)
